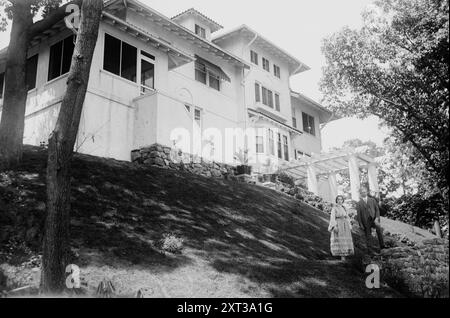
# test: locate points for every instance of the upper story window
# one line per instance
(309, 124)
(294, 122)
(31, 73)
(276, 71)
(201, 32)
(267, 97)
(266, 64)
(206, 75)
(147, 72)
(254, 57)
(277, 102)
(61, 57)
(120, 58)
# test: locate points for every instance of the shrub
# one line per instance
(419, 210)
(171, 243)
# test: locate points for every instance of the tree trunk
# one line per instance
(60, 152)
(15, 98)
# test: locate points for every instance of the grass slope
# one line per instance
(240, 240)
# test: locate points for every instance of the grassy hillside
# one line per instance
(239, 240)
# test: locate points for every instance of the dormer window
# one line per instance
(201, 32)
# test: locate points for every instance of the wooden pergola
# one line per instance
(326, 166)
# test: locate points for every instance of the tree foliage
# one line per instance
(395, 67)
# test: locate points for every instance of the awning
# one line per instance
(214, 69)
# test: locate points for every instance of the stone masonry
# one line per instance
(168, 158)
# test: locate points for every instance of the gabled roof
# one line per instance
(177, 29)
(325, 114)
(295, 66)
(213, 25)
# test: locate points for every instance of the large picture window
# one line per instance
(61, 57)
(120, 58)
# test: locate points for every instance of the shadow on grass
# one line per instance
(121, 210)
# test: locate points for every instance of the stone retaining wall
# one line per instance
(423, 269)
(168, 158)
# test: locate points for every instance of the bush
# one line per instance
(171, 243)
(419, 210)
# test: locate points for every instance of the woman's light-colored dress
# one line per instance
(341, 232)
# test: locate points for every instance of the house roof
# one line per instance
(325, 114)
(177, 29)
(214, 26)
(295, 66)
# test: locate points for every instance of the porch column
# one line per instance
(312, 180)
(333, 185)
(355, 182)
(372, 173)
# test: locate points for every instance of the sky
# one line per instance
(297, 26)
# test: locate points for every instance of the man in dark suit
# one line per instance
(369, 217)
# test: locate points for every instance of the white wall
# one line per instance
(306, 143)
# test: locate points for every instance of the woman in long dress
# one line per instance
(341, 230)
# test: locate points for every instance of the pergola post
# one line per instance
(355, 181)
(372, 173)
(312, 180)
(333, 185)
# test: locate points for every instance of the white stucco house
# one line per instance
(153, 76)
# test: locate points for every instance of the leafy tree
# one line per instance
(395, 67)
(23, 29)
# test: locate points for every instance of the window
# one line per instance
(200, 72)
(201, 32)
(267, 97)
(308, 124)
(129, 58)
(147, 75)
(259, 144)
(254, 57)
(280, 151)
(286, 148)
(270, 98)
(198, 117)
(266, 64)
(277, 102)
(120, 58)
(147, 72)
(257, 92)
(276, 71)
(271, 143)
(31, 72)
(214, 82)
(264, 96)
(2, 84)
(203, 75)
(61, 57)
(294, 122)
